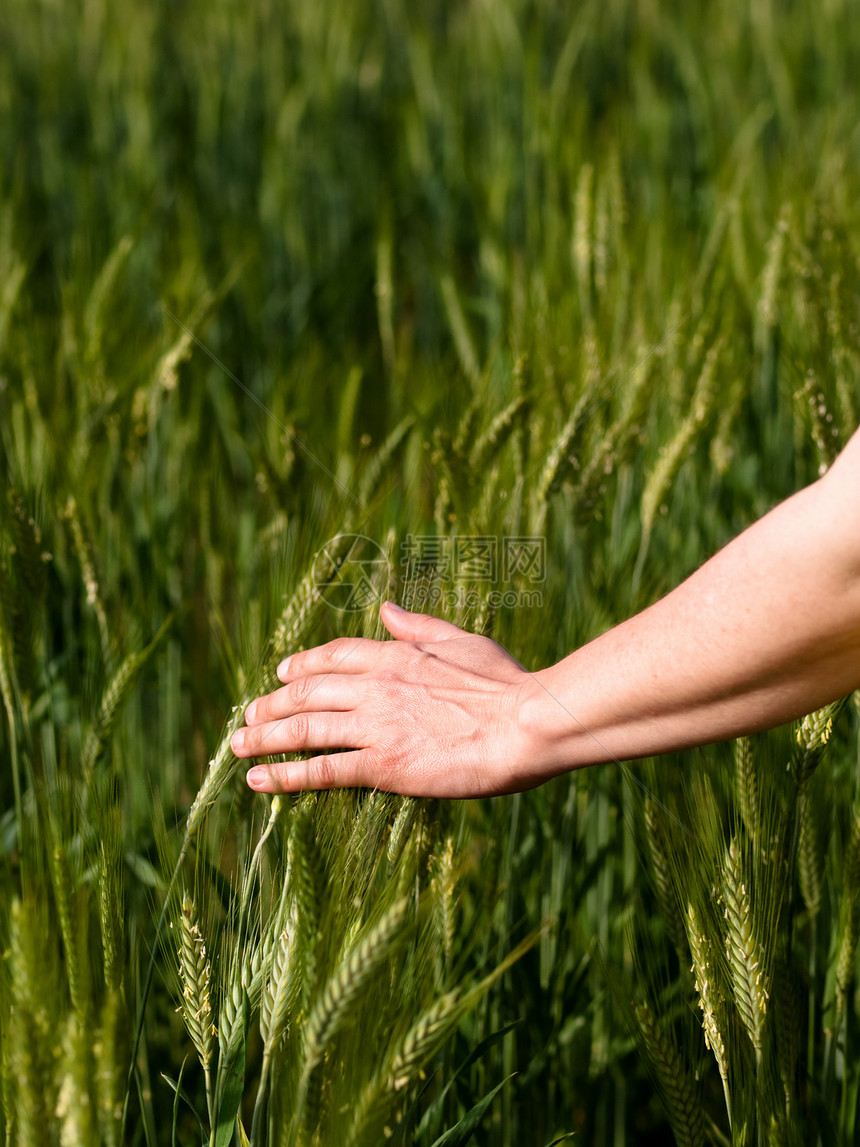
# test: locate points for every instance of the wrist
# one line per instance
(556, 737)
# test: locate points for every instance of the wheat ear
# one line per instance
(670, 908)
(443, 886)
(746, 785)
(88, 571)
(670, 460)
(813, 736)
(710, 1002)
(810, 857)
(682, 1103)
(748, 979)
(401, 829)
(497, 433)
(280, 991)
(70, 927)
(348, 981)
(420, 1042)
(195, 973)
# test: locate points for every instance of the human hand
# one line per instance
(435, 713)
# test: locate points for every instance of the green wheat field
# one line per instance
(583, 273)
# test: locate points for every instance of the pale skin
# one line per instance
(764, 632)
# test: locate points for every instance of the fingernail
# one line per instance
(237, 741)
(256, 776)
(397, 608)
(283, 667)
(250, 712)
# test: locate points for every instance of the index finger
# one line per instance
(343, 655)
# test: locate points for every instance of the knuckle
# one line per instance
(298, 690)
(299, 727)
(321, 772)
(333, 652)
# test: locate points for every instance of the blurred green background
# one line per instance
(585, 271)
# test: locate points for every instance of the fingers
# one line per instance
(337, 771)
(328, 693)
(297, 733)
(343, 655)
(361, 654)
(406, 626)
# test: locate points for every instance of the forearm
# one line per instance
(765, 631)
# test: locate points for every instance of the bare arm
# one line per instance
(765, 631)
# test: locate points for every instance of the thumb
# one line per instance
(406, 626)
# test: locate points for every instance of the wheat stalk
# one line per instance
(786, 1029)
(304, 865)
(13, 271)
(94, 311)
(682, 1103)
(465, 434)
(810, 859)
(31, 1042)
(281, 986)
(581, 247)
(195, 973)
(746, 786)
(403, 824)
(110, 919)
(443, 885)
(380, 462)
(825, 431)
(488, 445)
(401, 1068)
(560, 459)
(73, 945)
(710, 1002)
(253, 973)
(850, 916)
(772, 270)
(348, 981)
(813, 736)
(674, 453)
(88, 571)
(745, 960)
(114, 699)
(231, 1023)
(670, 908)
(460, 332)
(109, 1071)
(8, 688)
(75, 1108)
